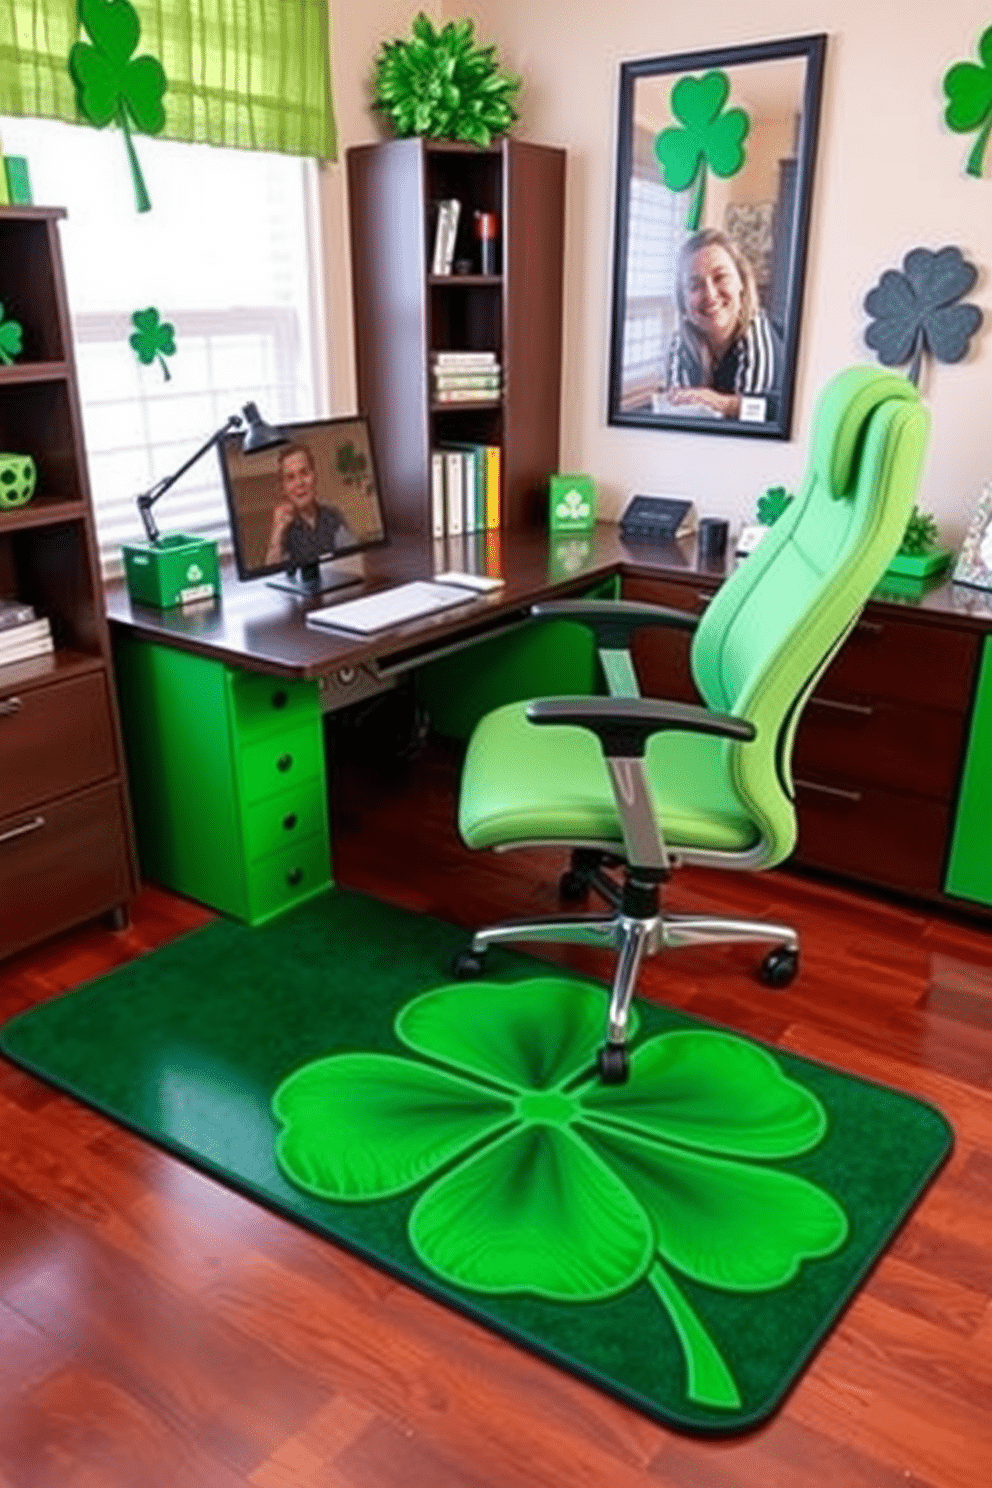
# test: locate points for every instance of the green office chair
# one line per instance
(641, 785)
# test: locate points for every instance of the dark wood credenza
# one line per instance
(881, 747)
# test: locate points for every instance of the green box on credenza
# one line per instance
(175, 570)
(572, 503)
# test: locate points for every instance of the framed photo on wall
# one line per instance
(974, 565)
(715, 164)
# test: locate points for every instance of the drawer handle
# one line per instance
(289, 821)
(10, 705)
(284, 763)
(31, 826)
(863, 710)
(280, 698)
(829, 790)
(294, 877)
(870, 627)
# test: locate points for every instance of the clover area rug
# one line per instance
(684, 1241)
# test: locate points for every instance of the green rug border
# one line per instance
(697, 1420)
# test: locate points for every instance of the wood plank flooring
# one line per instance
(158, 1331)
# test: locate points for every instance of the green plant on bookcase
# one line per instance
(440, 84)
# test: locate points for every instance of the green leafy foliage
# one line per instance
(113, 84)
(921, 533)
(705, 136)
(968, 87)
(440, 84)
(772, 504)
(352, 464)
(11, 339)
(153, 340)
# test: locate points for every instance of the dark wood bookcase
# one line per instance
(66, 846)
(403, 313)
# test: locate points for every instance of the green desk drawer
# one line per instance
(278, 821)
(284, 878)
(264, 703)
(279, 760)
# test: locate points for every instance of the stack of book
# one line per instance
(22, 634)
(465, 376)
(464, 489)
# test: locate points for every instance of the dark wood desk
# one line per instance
(879, 756)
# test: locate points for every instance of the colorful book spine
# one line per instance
(438, 513)
(454, 488)
(492, 496)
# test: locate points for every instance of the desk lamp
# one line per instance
(168, 571)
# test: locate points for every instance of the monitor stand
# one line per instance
(315, 579)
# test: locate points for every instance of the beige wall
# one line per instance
(890, 177)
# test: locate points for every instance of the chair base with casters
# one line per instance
(638, 926)
(642, 785)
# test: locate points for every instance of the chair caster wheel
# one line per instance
(468, 964)
(614, 1064)
(779, 967)
(573, 887)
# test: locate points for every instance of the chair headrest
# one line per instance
(845, 407)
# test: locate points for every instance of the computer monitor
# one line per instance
(297, 505)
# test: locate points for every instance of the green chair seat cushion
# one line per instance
(524, 782)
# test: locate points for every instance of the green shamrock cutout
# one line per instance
(153, 339)
(707, 137)
(529, 1176)
(11, 339)
(772, 504)
(110, 85)
(969, 101)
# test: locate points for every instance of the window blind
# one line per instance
(251, 74)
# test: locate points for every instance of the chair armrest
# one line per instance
(613, 621)
(624, 725)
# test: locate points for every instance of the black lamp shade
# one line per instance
(259, 435)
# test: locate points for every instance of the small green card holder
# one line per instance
(572, 503)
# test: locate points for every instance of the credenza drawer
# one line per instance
(905, 748)
(660, 655)
(60, 864)
(890, 838)
(905, 661)
(53, 740)
(263, 703)
(279, 820)
(284, 878)
(281, 759)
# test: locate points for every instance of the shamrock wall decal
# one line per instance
(153, 339)
(113, 84)
(705, 137)
(969, 101)
(11, 339)
(915, 311)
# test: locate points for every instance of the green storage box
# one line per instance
(175, 570)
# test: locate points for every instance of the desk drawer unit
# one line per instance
(228, 780)
(55, 739)
(879, 748)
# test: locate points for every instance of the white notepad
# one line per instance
(389, 607)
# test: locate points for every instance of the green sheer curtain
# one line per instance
(254, 74)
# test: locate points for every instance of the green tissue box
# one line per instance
(175, 570)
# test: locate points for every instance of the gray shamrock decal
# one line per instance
(916, 310)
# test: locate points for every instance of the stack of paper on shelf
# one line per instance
(22, 634)
(464, 376)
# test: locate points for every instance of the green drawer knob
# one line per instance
(294, 877)
(289, 821)
(284, 763)
(280, 698)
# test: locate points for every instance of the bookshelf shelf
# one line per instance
(66, 849)
(405, 315)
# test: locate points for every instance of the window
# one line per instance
(229, 257)
(654, 234)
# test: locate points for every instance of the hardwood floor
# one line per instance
(157, 1329)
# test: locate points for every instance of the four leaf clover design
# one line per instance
(113, 84)
(705, 136)
(153, 339)
(916, 310)
(11, 339)
(968, 87)
(529, 1176)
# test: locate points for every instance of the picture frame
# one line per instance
(748, 118)
(974, 562)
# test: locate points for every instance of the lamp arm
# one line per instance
(148, 498)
